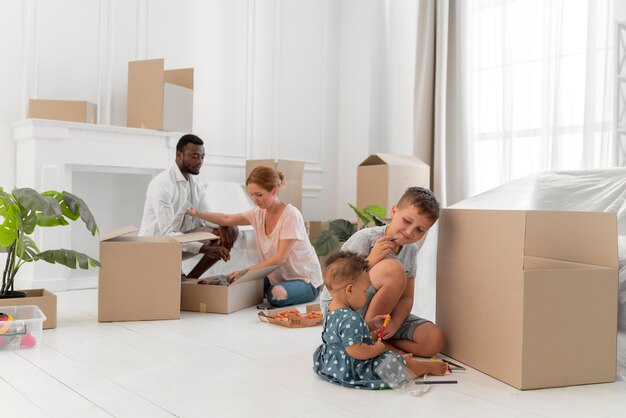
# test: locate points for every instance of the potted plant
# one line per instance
(25, 209)
(339, 230)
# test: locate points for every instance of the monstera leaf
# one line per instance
(25, 209)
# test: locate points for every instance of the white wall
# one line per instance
(323, 81)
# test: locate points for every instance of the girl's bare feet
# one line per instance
(420, 368)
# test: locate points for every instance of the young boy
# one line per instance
(391, 254)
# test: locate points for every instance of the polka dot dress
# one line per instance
(344, 327)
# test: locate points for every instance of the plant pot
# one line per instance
(13, 294)
(44, 299)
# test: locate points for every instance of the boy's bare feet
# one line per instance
(420, 368)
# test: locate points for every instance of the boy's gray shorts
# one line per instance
(406, 330)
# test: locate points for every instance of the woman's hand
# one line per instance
(192, 212)
(382, 247)
(236, 275)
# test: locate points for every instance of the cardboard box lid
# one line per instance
(581, 237)
(255, 274)
(489, 236)
(392, 159)
(181, 77)
(292, 169)
(189, 237)
(504, 238)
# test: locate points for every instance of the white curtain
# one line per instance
(521, 86)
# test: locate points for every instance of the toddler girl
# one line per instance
(347, 355)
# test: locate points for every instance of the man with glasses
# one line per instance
(170, 195)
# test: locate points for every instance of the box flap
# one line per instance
(181, 77)
(292, 169)
(393, 159)
(194, 236)
(119, 232)
(581, 237)
(482, 236)
(255, 274)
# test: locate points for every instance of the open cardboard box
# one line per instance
(159, 99)
(140, 276)
(296, 320)
(529, 297)
(244, 292)
(381, 179)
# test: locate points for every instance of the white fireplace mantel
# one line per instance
(49, 152)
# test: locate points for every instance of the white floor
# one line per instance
(207, 365)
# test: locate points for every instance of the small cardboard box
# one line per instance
(68, 110)
(140, 276)
(159, 99)
(381, 179)
(293, 171)
(45, 299)
(242, 293)
(529, 297)
(295, 319)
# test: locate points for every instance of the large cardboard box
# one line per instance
(159, 99)
(381, 179)
(68, 110)
(242, 293)
(140, 276)
(293, 171)
(44, 299)
(529, 297)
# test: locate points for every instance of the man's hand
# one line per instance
(216, 251)
(226, 236)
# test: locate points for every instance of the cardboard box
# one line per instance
(381, 179)
(159, 99)
(293, 171)
(242, 293)
(140, 276)
(295, 319)
(44, 299)
(529, 297)
(68, 110)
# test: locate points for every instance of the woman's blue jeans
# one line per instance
(298, 291)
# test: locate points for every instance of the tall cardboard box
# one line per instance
(382, 178)
(529, 297)
(159, 99)
(140, 276)
(293, 171)
(67, 110)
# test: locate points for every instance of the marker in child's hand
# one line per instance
(385, 323)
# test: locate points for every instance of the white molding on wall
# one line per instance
(250, 70)
(141, 51)
(276, 73)
(30, 55)
(105, 52)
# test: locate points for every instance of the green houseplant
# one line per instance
(339, 230)
(22, 211)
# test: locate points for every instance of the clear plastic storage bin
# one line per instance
(20, 327)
